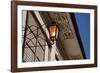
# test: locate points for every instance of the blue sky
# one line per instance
(83, 22)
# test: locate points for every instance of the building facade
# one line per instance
(36, 44)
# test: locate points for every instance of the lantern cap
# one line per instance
(53, 22)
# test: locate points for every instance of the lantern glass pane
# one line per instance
(52, 30)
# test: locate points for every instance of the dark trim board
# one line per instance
(14, 36)
(29, 3)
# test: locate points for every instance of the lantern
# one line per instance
(53, 31)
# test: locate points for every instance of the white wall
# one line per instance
(5, 50)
